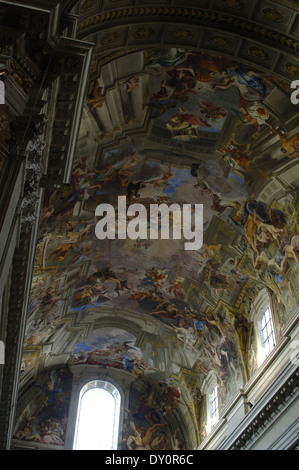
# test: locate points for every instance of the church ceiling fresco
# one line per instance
(46, 421)
(188, 128)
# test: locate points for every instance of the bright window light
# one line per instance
(98, 417)
(213, 400)
(266, 334)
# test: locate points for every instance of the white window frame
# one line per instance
(266, 332)
(214, 405)
(210, 389)
(260, 306)
(110, 388)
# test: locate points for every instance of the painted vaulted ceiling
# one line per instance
(174, 113)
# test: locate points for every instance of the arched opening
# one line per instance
(214, 406)
(97, 417)
(266, 330)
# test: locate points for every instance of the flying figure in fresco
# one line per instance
(290, 146)
(62, 251)
(204, 67)
(217, 206)
(263, 224)
(163, 181)
(155, 277)
(236, 155)
(212, 111)
(96, 99)
(120, 169)
(249, 84)
(255, 114)
(184, 121)
(131, 83)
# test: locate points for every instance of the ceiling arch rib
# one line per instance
(261, 35)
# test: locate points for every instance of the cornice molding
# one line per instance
(274, 401)
(192, 16)
(263, 419)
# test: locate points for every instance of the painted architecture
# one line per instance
(163, 104)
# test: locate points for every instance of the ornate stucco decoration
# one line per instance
(28, 205)
(217, 20)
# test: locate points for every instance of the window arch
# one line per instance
(266, 332)
(261, 316)
(211, 390)
(97, 424)
(213, 406)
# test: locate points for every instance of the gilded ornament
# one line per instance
(293, 69)
(257, 53)
(182, 34)
(273, 15)
(110, 38)
(144, 33)
(233, 3)
(202, 16)
(220, 41)
(87, 5)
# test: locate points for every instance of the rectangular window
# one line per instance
(2, 92)
(214, 413)
(267, 332)
(2, 353)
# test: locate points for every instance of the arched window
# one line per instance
(98, 417)
(266, 332)
(261, 316)
(213, 406)
(210, 389)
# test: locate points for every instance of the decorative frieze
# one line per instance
(201, 17)
(268, 414)
(28, 204)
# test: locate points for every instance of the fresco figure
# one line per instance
(219, 106)
(184, 121)
(263, 224)
(96, 99)
(186, 336)
(250, 86)
(289, 146)
(152, 438)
